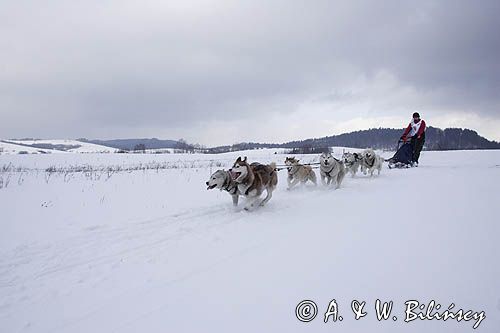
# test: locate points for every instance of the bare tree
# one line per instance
(182, 145)
(140, 147)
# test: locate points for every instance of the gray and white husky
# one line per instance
(298, 172)
(352, 162)
(222, 180)
(253, 179)
(332, 171)
(371, 162)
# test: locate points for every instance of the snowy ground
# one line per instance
(152, 250)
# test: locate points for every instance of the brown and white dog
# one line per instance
(298, 172)
(253, 179)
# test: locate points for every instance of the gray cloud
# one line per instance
(196, 68)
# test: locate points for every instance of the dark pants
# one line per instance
(417, 145)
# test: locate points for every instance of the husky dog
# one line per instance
(252, 179)
(352, 162)
(298, 172)
(222, 180)
(332, 171)
(371, 161)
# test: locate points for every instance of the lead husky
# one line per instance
(371, 162)
(253, 179)
(298, 172)
(352, 162)
(332, 171)
(222, 180)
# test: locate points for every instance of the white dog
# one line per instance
(332, 171)
(222, 180)
(371, 162)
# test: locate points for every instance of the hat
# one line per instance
(416, 115)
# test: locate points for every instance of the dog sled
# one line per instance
(403, 158)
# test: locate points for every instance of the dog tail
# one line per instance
(274, 175)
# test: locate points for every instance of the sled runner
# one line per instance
(403, 156)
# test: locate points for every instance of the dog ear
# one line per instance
(238, 159)
(245, 159)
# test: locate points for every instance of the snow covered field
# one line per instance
(51, 146)
(135, 243)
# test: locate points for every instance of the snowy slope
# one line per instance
(8, 147)
(154, 251)
(80, 147)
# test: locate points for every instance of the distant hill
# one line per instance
(378, 138)
(130, 144)
(381, 138)
(386, 138)
(48, 146)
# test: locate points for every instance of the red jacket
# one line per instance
(420, 131)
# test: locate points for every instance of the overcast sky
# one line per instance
(219, 72)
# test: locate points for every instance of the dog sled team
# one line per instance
(251, 180)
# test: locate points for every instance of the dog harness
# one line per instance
(290, 173)
(231, 188)
(368, 164)
(329, 172)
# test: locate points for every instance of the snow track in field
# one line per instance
(161, 253)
